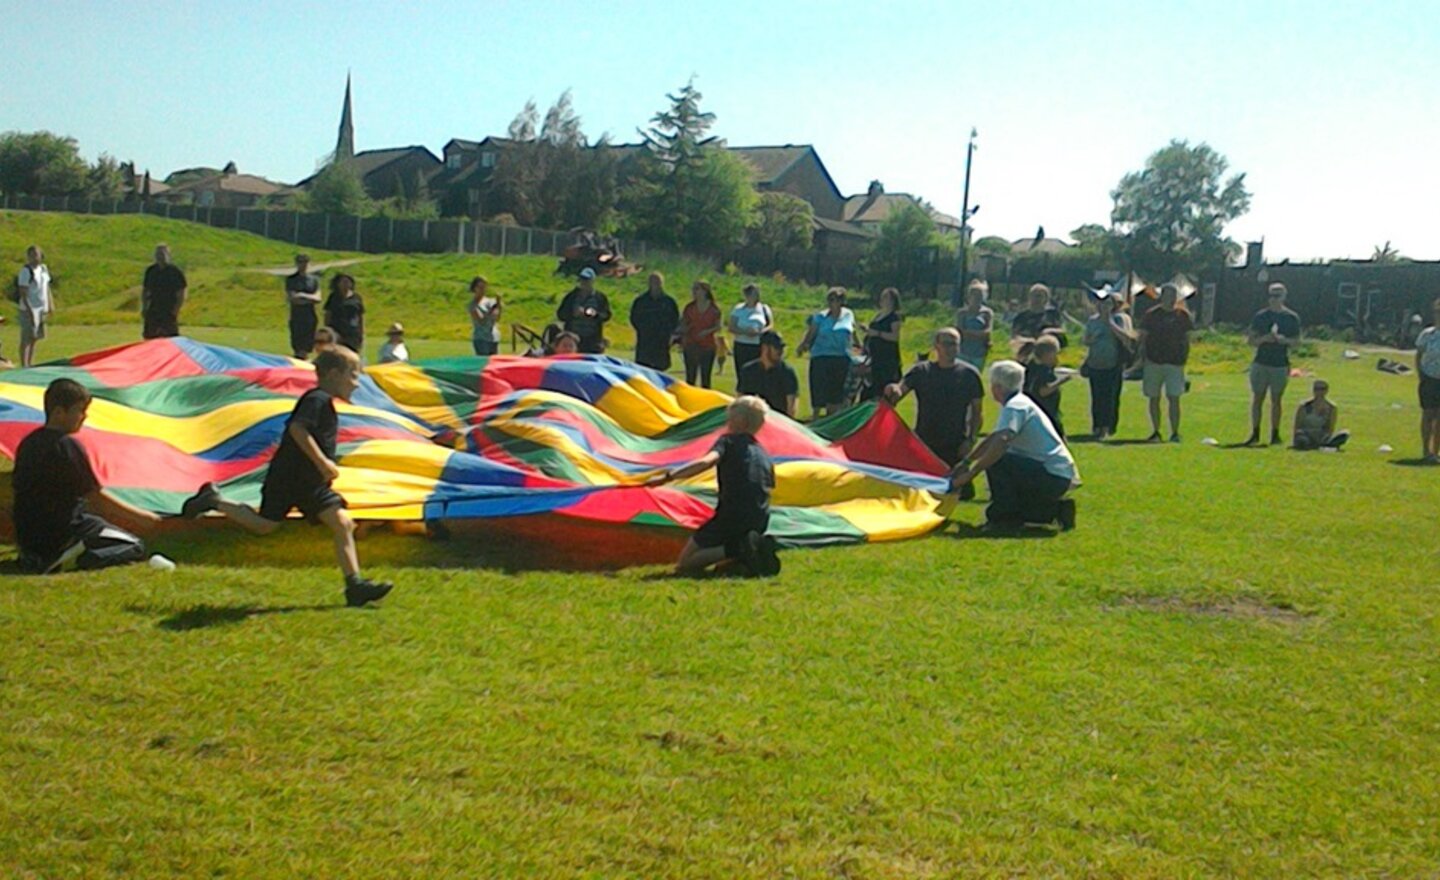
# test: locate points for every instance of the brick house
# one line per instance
(226, 189)
(871, 209)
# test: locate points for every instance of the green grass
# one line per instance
(1227, 670)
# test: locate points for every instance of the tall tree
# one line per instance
(1172, 214)
(550, 176)
(104, 179)
(782, 222)
(908, 240)
(41, 164)
(688, 191)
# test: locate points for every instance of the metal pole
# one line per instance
(959, 296)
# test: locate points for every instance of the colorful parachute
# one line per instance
(463, 438)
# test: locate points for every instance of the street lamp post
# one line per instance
(965, 214)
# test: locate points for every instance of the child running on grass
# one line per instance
(53, 481)
(746, 477)
(301, 473)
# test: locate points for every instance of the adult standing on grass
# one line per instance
(699, 323)
(769, 378)
(655, 317)
(584, 311)
(1108, 340)
(1427, 365)
(749, 320)
(32, 294)
(302, 292)
(345, 313)
(1041, 316)
(1272, 331)
(882, 340)
(951, 400)
(162, 293)
(1026, 463)
(976, 321)
(1165, 346)
(484, 311)
(829, 337)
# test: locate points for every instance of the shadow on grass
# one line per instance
(205, 616)
(1023, 533)
(1411, 462)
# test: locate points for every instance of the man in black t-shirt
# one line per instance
(162, 293)
(53, 481)
(655, 317)
(745, 478)
(301, 474)
(1272, 331)
(302, 293)
(584, 311)
(950, 398)
(770, 378)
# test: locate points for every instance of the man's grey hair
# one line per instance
(1007, 375)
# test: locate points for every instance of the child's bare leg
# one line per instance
(695, 559)
(342, 528)
(246, 518)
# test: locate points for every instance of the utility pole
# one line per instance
(965, 213)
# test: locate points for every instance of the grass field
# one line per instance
(1228, 669)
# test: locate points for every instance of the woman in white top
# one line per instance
(747, 321)
(32, 293)
(484, 318)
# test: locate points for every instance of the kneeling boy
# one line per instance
(746, 478)
(301, 473)
(53, 481)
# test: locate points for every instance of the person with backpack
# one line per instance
(32, 294)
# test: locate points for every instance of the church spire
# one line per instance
(345, 142)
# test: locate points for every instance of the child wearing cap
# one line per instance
(745, 479)
(394, 350)
(301, 473)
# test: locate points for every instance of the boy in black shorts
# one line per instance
(746, 478)
(53, 481)
(301, 473)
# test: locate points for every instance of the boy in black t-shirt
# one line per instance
(745, 477)
(301, 472)
(1042, 384)
(53, 481)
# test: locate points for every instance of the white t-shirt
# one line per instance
(1035, 437)
(34, 288)
(751, 322)
(1428, 345)
(392, 352)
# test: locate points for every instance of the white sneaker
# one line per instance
(68, 559)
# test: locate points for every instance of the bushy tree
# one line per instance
(992, 246)
(1171, 215)
(337, 189)
(908, 242)
(412, 201)
(550, 176)
(688, 191)
(41, 164)
(104, 179)
(782, 222)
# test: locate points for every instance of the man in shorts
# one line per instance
(1165, 346)
(1273, 331)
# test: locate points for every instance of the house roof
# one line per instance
(771, 163)
(1046, 245)
(250, 184)
(877, 207)
(840, 227)
(368, 162)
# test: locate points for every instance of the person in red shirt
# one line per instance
(1165, 346)
(699, 323)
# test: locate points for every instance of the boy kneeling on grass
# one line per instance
(301, 473)
(746, 477)
(53, 481)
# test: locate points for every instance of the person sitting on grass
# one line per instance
(746, 478)
(54, 483)
(301, 474)
(1027, 465)
(394, 350)
(1315, 421)
(566, 343)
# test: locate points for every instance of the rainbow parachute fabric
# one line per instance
(465, 438)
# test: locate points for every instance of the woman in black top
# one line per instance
(882, 340)
(345, 313)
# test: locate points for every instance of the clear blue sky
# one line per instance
(1329, 108)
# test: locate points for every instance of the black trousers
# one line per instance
(1105, 388)
(743, 353)
(105, 545)
(699, 362)
(1022, 491)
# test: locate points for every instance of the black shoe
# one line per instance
(1153, 438)
(202, 502)
(769, 558)
(751, 552)
(1065, 515)
(1175, 438)
(1254, 439)
(1275, 438)
(362, 591)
